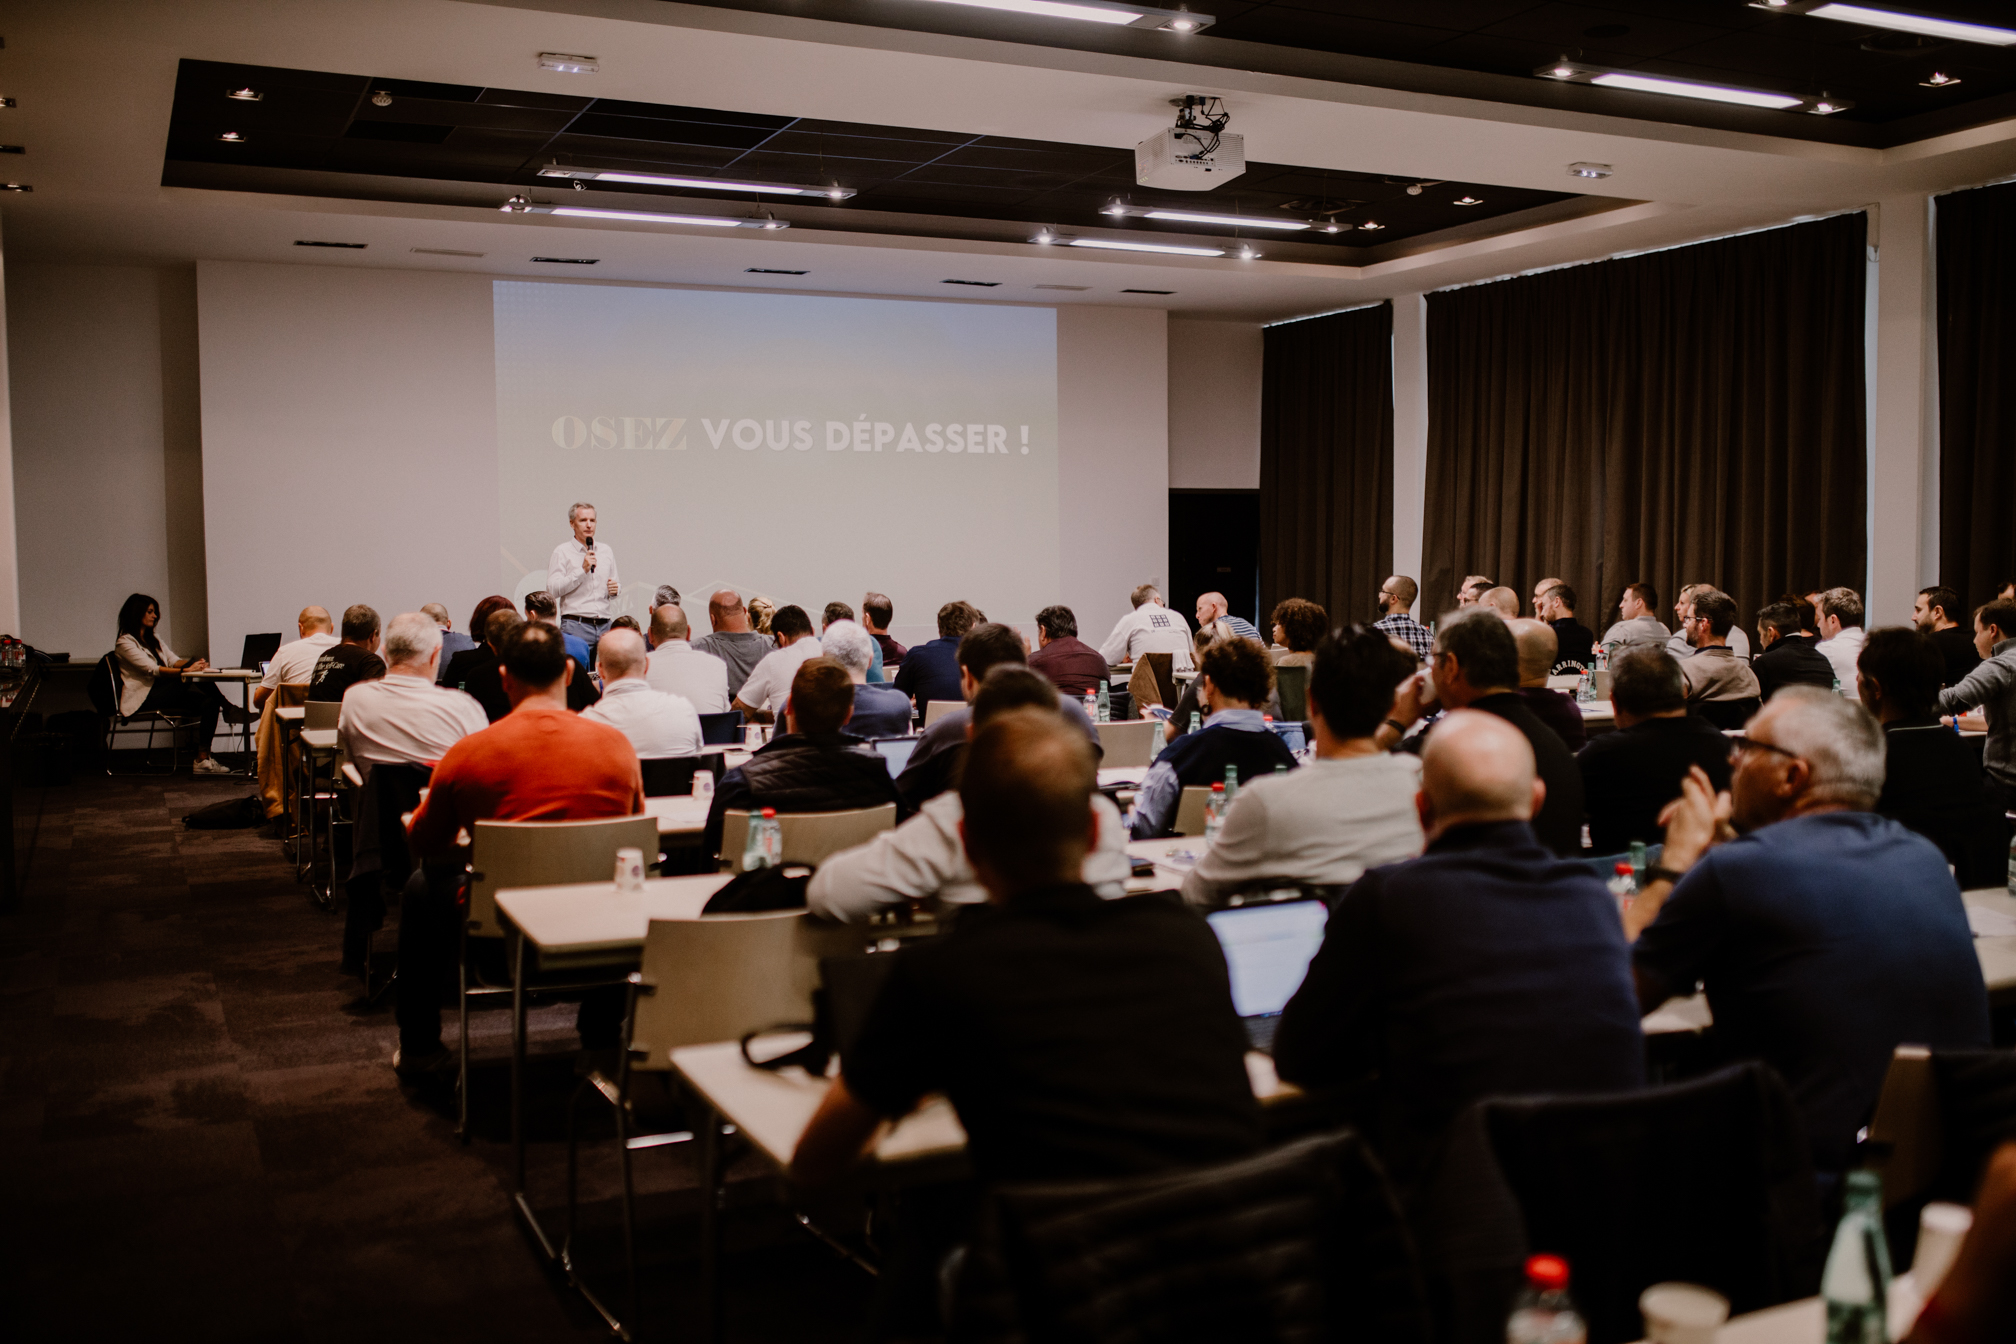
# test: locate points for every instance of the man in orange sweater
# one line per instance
(540, 762)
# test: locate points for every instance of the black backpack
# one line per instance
(233, 814)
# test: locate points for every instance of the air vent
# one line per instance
(446, 252)
(570, 261)
(1147, 291)
(317, 242)
(1073, 289)
(768, 270)
(977, 284)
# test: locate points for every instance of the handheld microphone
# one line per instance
(590, 544)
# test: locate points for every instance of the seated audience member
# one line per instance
(1476, 666)
(677, 668)
(537, 763)
(452, 641)
(1501, 600)
(1976, 1300)
(1299, 626)
(1073, 666)
(623, 622)
(665, 596)
(350, 660)
(1991, 688)
(455, 666)
(840, 611)
(476, 670)
(879, 711)
(294, 664)
(1577, 641)
(1213, 608)
(1826, 935)
(1396, 615)
(812, 766)
(761, 609)
(1473, 587)
(1636, 625)
(1739, 642)
(934, 763)
(1540, 591)
(1077, 1038)
(1350, 809)
(734, 641)
(876, 613)
(581, 690)
(930, 671)
(1839, 616)
(1714, 673)
(1932, 779)
(1233, 680)
(150, 678)
(1485, 967)
(1630, 775)
(923, 859)
(1537, 648)
(1790, 656)
(657, 723)
(1149, 628)
(762, 696)
(1933, 612)
(401, 718)
(1189, 706)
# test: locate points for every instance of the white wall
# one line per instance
(349, 442)
(1214, 405)
(105, 480)
(1113, 460)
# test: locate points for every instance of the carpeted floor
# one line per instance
(201, 1136)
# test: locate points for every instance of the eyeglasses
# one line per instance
(1738, 746)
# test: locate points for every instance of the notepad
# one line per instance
(1990, 923)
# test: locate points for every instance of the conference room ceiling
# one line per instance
(1492, 48)
(312, 132)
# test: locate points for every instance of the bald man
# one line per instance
(1212, 608)
(734, 641)
(1501, 600)
(1537, 646)
(295, 663)
(658, 723)
(1485, 967)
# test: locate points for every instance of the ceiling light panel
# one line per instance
(1114, 245)
(647, 217)
(1926, 25)
(1573, 72)
(833, 193)
(1094, 11)
(1228, 221)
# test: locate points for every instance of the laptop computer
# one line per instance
(895, 752)
(1267, 949)
(1291, 735)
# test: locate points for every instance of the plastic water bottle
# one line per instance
(1214, 813)
(1091, 707)
(1280, 769)
(1231, 784)
(1105, 700)
(1639, 861)
(1856, 1284)
(1196, 721)
(703, 783)
(765, 848)
(2012, 867)
(1585, 688)
(1602, 657)
(1623, 885)
(1543, 1313)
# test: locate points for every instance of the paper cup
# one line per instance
(1682, 1313)
(629, 870)
(1941, 1229)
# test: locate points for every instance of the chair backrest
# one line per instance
(379, 843)
(1727, 714)
(105, 685)
(1904, 1133)
(1190, 810)
(669, 776)
(935, 710)
(718, 730)
(510, 854)
(258, 649)
(723, 976)
(1126, 743)
(809, 837)
(1940, 1117)
(1291, 683)
(322, 714)
(1162, 666)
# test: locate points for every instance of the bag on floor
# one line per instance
(233, 814)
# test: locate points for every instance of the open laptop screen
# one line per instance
(896, 752)
(1267, 948)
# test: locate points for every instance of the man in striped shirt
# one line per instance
(1213, 607)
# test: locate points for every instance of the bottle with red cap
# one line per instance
(1543, 1313)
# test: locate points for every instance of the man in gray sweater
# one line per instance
(1636, 624)
(1991, 687)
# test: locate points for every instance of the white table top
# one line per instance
(223, 674)
(290, 713)
(1997, 951)
(594, 917)
(679, 815)
(1596, 709)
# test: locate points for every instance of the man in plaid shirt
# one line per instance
(1396, 600)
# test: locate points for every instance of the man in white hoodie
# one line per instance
(1149, 628)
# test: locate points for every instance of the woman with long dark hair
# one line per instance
(150, 678)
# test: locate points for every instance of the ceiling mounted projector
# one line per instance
(1195, 154)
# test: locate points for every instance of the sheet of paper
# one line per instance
(1990, 923)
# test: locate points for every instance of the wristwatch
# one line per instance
(1654, 873)
(1397, 726)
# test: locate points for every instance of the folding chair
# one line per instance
(1190, 810)
(104, 687)
(1127, 743)
(809, 837)
(318, 795)
(935, 710)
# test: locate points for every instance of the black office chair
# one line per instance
(670, 776)
(104, 688)
(1727, 714)
(721, 729)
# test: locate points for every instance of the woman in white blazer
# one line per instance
(150, 678)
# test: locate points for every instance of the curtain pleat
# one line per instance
(1326, 462)
(1977, 412)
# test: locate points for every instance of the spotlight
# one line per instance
(517, 205)
(1939, 80)
(246, 95)
(232, 137)
(1414, 189)
(381, 99)
(1590, 170)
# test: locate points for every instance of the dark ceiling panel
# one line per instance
(670, 132)
(414, 88)
(550, 102)
(671, 112)
(855, 146)
(592, 151)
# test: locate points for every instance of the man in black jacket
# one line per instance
(1630, 775)
(1791, 654)
(475, 670)
(1576, 641)
(812, 768)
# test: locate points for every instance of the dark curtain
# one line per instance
(1977, 411)
(1326, 463)
(1693, 415)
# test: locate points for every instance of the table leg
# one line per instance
(518, 1067)
(707, 1134)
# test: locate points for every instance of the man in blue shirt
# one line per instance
(879, 711)
(930, 671)
(1232, 682)
(1826, 935)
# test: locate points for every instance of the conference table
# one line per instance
(244, 677)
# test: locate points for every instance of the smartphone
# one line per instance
(1162, 712)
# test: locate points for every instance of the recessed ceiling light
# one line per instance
(1334, 227)
(1590, 170)
(1229, 221)
(1115, 207)
(381, 99)
(1113, 245)
(15, 186)
(231, 137)
(1044, 236)
(1826, 106)
(1939, 80)
(13, 149)
(447, 252)
(1369, 226)
(699, 183)
(1469, 200)
(1925, 24)
(518, 205)
(1096, 11)
(561, 63)
(1575, 73)
(1248, 254)
(245, 95)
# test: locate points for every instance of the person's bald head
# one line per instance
(621, 654)
(1537, 646)
(1476, 768)
(1501, 600)
(669, 622)
(314, 620)
(726, 613)
(1026, 789)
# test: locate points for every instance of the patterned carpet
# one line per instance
(201, 1136)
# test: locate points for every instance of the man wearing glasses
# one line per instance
(1825, 934)
(1396, 607)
